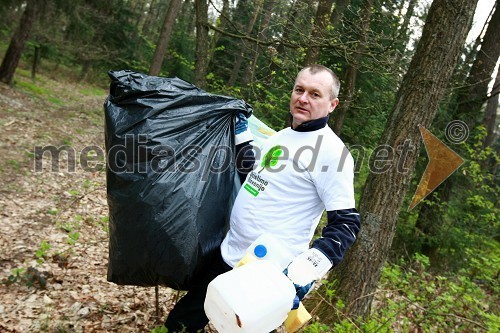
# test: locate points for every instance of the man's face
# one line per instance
(311, 97)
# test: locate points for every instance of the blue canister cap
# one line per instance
(260, 251)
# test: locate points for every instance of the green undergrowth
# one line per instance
(411, 299)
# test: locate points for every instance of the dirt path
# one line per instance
(53, 222)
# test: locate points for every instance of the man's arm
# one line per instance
(245, 156)
(339, 234)
(326, 252)
(245, 159)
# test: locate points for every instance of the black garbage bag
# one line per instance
(170, 173)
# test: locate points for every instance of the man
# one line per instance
(302, 171)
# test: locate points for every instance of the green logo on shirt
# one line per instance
(271, 158)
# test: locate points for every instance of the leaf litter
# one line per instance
(53, 223)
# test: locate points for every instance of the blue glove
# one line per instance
(241, 123)
(305, 269)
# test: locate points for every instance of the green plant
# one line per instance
(416, 299)
(42, 253)
(104, 222)
(159, 329)
(15, 276)
(317, 327)
(73, 237)
(29, 277)
(15, 165)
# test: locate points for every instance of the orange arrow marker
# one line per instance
(442, 163)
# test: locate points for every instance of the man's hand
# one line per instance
(306, 268)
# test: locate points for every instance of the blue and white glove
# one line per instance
(241, 130)
(305, 269)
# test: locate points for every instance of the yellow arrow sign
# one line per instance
(442, 163)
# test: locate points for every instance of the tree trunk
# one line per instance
(490, 115)
(84, 71)
(221, 23)
(352, 70)
(338, 12)
(36, 61)
(291, 22)
(250, 69)
(423, 86)
(470, 98)
(139, 10)
(408, 15)
(166, 31)
(473, 94)
(320, 24)
(201, 60)
(403, 36)
(150, 17)
(240, 56)
(16, 46)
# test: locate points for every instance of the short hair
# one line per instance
(316, 68)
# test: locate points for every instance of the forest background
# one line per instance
(402, 63)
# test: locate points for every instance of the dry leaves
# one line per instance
(53, 224)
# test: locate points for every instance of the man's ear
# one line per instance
(333, 104)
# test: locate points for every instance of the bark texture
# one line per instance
(422, 88)
(201, 61)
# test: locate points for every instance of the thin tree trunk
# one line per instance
(166, 31)
(250, 69)
(490, 115)
(338, 12)
(36, 61)
(352, 70)
(320, 24)
(140, 14)
(408, 15)
(473, 95)
(406, 21)
(85, 70)
(221, 23)
(201, 61)
(297, 6)
(16, 46)
(240, 56)
(403, 34)
(146, 27)
(471, 55)
(423, 86)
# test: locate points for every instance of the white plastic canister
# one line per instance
(254, 298)
(268, 247)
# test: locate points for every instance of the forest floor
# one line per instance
(54, 223)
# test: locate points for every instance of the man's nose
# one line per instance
(304, 97)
